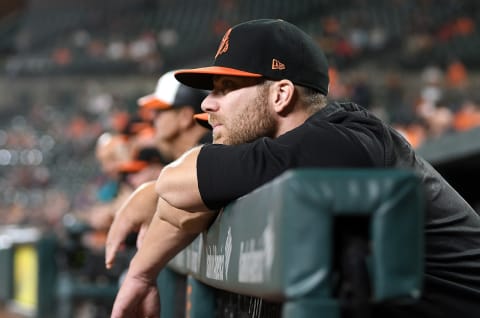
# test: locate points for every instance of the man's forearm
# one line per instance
(142, 200)
(170, 231)
(162, 242)
(191, 222)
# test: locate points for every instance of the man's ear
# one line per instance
(282, 93)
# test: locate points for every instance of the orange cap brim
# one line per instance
(202, 120)
(152, 102)
(202, 77)
(201, 116)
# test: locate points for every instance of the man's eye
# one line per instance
(227, 85)
(224, 87)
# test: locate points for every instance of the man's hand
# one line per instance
(137, 297)
(133, 216)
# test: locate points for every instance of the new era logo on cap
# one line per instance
(270, 48)
(277, 65)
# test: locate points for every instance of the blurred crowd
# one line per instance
(436, 101)
(147, 36)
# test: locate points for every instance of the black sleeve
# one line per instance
(228, 172)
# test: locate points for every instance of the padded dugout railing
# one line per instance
(310, 243)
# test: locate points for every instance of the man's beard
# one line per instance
(255, 121)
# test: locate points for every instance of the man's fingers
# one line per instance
(151, 304)
(116, 237)
(111, 249)
(136, 298)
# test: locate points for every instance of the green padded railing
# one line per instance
(278, 242)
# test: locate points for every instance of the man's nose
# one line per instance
(210, 104)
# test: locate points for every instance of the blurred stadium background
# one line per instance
(72, 69)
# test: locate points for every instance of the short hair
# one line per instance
(309, 98)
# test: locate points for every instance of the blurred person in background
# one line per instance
(143, 167)
(113, 151)
(179, 126)
(88, 251)
(468, 116)
(173, 106)
(110, 151)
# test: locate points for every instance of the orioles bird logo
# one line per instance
(223, 47)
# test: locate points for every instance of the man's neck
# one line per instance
(290, 122)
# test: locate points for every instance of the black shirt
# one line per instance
(346, 136)
(317, 143)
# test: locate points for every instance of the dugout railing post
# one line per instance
(28, 271)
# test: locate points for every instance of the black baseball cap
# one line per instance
(270, 48)
(170, 93)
